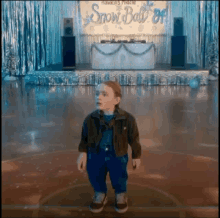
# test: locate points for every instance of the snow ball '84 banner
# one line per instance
(124, 17)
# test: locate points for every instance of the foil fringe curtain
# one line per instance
(24, 26)
(34, 28)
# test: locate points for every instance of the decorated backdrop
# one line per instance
(34, 28)
(124, 17)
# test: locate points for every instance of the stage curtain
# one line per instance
(200, 26)
(24, 27)
(208, 27)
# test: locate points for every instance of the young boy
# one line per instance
(106, 133)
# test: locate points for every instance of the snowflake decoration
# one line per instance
(147, 6)
(154, 28)
(118, 8)
(140, 28)
(120, 28)
(106, 29)
(88, 19)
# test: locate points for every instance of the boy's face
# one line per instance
(105, 98)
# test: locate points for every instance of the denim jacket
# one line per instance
(125, 131)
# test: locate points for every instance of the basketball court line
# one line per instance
(73, 150)
(180, 206)
(182, 213)
(209, 145)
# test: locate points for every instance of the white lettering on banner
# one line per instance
(128, 17)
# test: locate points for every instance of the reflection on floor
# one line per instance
(178, 127)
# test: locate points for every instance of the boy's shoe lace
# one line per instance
(121, 205)
(99, 201)
(121, 198)
(98, 197)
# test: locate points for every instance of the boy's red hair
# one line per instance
(116, 87)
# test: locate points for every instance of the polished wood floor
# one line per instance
(173, 118)
(41, 129)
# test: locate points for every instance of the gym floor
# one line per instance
(41, 128)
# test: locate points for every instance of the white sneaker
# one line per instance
(121, 205)
(99, 201)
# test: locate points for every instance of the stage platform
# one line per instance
(158, 66)
(84, 75)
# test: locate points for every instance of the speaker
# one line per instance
(68, 26)
(178, 52)
(68, 52)
(178, 26)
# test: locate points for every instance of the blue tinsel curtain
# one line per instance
(209, 27)
(35, 28)
(200, 26)
(24, 26)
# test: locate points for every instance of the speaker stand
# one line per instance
(69, 68)
(178, 68)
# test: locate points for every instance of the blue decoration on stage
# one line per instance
(92, 79)
(95, 78)
(199, 79)
(194, 83)
(107, 76)
(178, 80)
(139, 79)
(123, 80)
(154, 80)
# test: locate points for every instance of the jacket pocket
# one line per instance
(124, 134)
(121, 140)
(123, 137)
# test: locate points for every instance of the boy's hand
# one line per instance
(81, 162)
(136, 163)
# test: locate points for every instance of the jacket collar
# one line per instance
(119, 114)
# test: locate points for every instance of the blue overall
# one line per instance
(98, 165)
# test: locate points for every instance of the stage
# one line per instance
(84, 74)
(88, 66)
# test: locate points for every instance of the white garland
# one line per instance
(126, 48)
